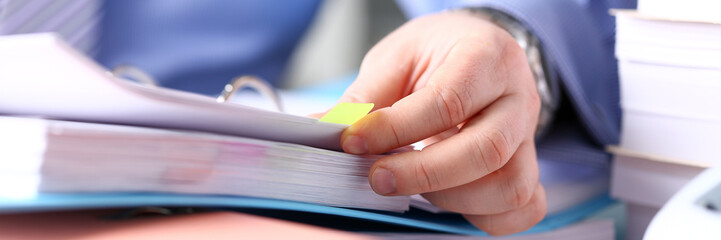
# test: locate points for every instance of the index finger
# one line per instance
(469, 80)
(484, 145)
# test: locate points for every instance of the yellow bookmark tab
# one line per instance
(347, 113)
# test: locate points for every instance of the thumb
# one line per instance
(383, 79)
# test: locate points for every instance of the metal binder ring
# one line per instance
(256, 83)
(134, 73)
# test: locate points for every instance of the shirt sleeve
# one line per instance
(577, 38)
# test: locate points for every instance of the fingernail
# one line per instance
(355, 145)
(383, 182)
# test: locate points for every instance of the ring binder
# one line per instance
(244, 81)
(256, 83)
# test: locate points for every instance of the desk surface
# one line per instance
(217, 225)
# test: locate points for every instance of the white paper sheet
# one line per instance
(42, 76)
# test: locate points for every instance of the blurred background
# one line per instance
(183, 47)
(339, 37)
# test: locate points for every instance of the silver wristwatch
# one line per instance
(531, 46)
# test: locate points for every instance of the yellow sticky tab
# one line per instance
(347, 113)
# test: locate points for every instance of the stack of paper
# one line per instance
(59, 156)
(705, 10)
(669, 56)
(645, 183)
(670, 74)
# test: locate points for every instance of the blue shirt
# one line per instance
(199, 46)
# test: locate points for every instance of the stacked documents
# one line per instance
(669, 56)
(60, 156)
(703, 10)
(670, 75)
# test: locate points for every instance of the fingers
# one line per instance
(453, 95)
(484, 145)
(384, 75)
(508, 188)
(514, 221)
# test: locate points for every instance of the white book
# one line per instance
(647, 179)
(664, 41)
(670, 90)
(50, 156)
(694, 140)
(700, 10)
(671, 111)
(670, 79)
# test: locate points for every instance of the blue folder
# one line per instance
(451, 223)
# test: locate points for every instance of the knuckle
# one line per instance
(476, 60)
(513, 55)
(480, 44)
(539, 212)
(383, 131)
(517, 191)
(531, 104)
(494, 149)
(540, 209)
(451, 106)
(533, 99)
(426, 178)
(514, 63)
(483, 162)
(394, 130)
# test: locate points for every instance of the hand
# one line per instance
(464, 85)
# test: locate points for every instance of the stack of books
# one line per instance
(51, 156)
(704, 10)
(670, 76)
(669, 56)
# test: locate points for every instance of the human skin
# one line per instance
(464, 86)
